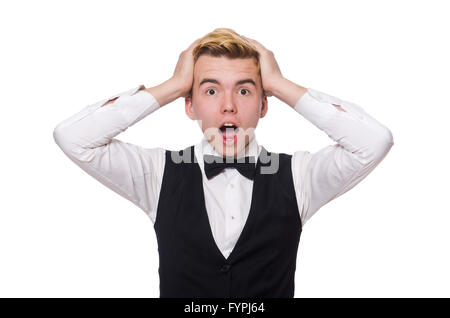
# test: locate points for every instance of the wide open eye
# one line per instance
(210, 89)
(245, 90)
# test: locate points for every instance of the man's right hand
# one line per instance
(180, 84)
(184, 70)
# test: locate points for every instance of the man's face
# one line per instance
(226, 91)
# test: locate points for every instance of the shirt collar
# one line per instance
(253, 149)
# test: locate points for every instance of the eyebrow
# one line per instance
(214, 81)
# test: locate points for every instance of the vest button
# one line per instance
(225, 268)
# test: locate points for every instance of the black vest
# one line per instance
(263, 261)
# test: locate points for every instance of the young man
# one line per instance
(226, 229)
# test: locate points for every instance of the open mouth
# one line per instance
(228, 128)
(229, 133)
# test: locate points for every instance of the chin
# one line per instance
(231, 148)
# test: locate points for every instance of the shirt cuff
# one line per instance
(134, 104)
(353, 128)
(316, 106)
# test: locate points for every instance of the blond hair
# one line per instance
(226, 42)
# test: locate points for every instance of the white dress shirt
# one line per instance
(136, 173)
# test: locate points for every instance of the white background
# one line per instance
(64, 234)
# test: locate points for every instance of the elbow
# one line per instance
(387, 141)
(389, 138)
(381, 145)
(58, 135)
(62, 139)
(70, 147)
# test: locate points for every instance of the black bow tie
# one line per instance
(214, 165)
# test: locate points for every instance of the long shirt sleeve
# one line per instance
(135, 173)
(361, 144)
(132, 171)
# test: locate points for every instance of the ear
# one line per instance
(189, 108)
(264, 107)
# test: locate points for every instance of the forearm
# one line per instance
(290, 93)
(356, 131)
(166, 92)
(350, 126)
(287, 91)
(95, 125)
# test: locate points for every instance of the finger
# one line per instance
(250, 40)
(193, 44)
(258, 45)
(196, 42)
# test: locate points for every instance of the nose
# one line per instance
(228, 105)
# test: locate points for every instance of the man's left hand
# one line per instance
(270, 71)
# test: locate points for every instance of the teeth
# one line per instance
(226, 126)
